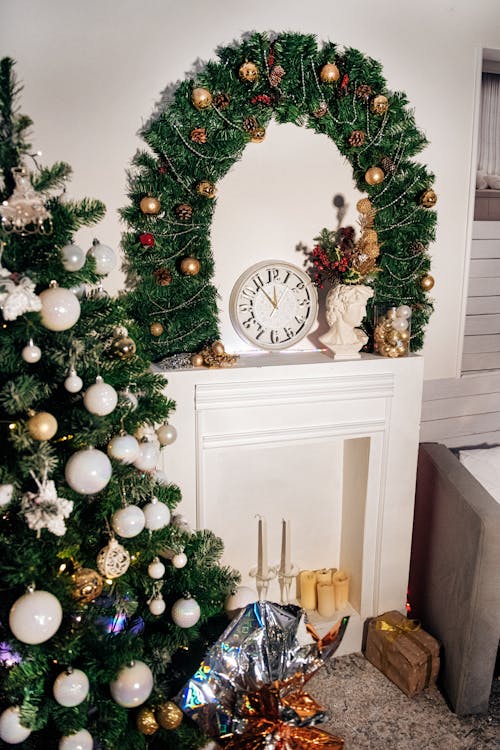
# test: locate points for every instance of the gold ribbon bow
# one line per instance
(327, 638)
(404, 627)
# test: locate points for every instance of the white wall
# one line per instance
(94, 70)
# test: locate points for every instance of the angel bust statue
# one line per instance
(345, 309)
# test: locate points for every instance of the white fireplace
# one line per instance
(329, 446)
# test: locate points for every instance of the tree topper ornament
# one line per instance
(17, 295)
(44, 509)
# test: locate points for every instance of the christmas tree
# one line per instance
(108, 598)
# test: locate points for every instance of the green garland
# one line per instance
(194, 145)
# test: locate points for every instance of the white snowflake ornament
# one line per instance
(44, 509)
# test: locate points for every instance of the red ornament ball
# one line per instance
(147, 240)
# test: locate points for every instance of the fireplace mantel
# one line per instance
(329, 445)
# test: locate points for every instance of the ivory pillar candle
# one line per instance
(341, 586)
(324, 575)
(308, 589)
(326, 599)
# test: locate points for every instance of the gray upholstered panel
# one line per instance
(454, 586)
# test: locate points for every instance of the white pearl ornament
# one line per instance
(156, 569)
(72, 257)
(157, 605)
(104, 256)
(123, 448)
(166, 434)
(148, 456)
(243, 596)
(60, 308)
(81, 740)
(157, 515)
(133, 685)
(88, 471)
(71, 688)
(31, 353)
(35, 617)
(179, 560)
(101, 398)
(186, 612)
(73, 382)
(11, 730)
(128, 522)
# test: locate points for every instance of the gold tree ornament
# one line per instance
(169, 715)
(87, 585)
(197, 360)
(206, 188)
(190, 266)
(218, 348)
(329, 73)
(123, 347)
(379, 104)
(24, 212)
(248, 72)
(150, 205)
(156, 329)
(146, 722)
(42, 425)
(201, 98)
(427, 282)
(258, 135)
(374, 175)
(428, 199)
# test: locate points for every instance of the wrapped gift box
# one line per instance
(405, 653)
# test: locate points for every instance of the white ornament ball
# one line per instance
(101, 398)
(123, 448)
(166, 434)
(179, 560)
(186, 612)
(133, 685)
(60, 308)
(156, 569)
(128, 522)
(157, 515)
(157, 606)
(148, 456)
(73, 382)
(31, 353)
(35, 617)
(6, 493)
(11, 730)
(88, 471)
(71, 688)
(104, 256)
(400, 324)
(113, 560)
(73, 257)
(81, 740)
(403, 311)
(243, 596)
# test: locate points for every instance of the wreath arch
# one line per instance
(202, 132)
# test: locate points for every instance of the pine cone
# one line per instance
(250, 124)
(321, 111)
(363, 91)
(184, 211)
(198, 135)
(221, 101)
(387, 164)
(417, 248)
(162, 276)
(276, 74)
(357, 138)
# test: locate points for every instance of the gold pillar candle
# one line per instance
(307, 589)
(341, 585)
(326, 599)
(324, 575)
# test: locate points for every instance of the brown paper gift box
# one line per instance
(404, 652)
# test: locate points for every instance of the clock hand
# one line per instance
(274, 298)
(272, 301)
(278, 301)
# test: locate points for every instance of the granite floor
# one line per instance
(371, 713)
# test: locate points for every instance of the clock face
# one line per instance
(273, 304)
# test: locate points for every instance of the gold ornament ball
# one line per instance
(206, 188)
(146, 722)
(197, 360)
(248, 72)
(364, 206)
(258, 135)
(150, 205)
(329, 73)
(190, 266)
(374, 175)
(201, 98)
(428, 199)
(404, 335)
(169, 715)
(379, 104)
(392, 337)
(156, 329)
(87, 585)
(427, 282)
(124, 347)
(218, 348)
(42, 426)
